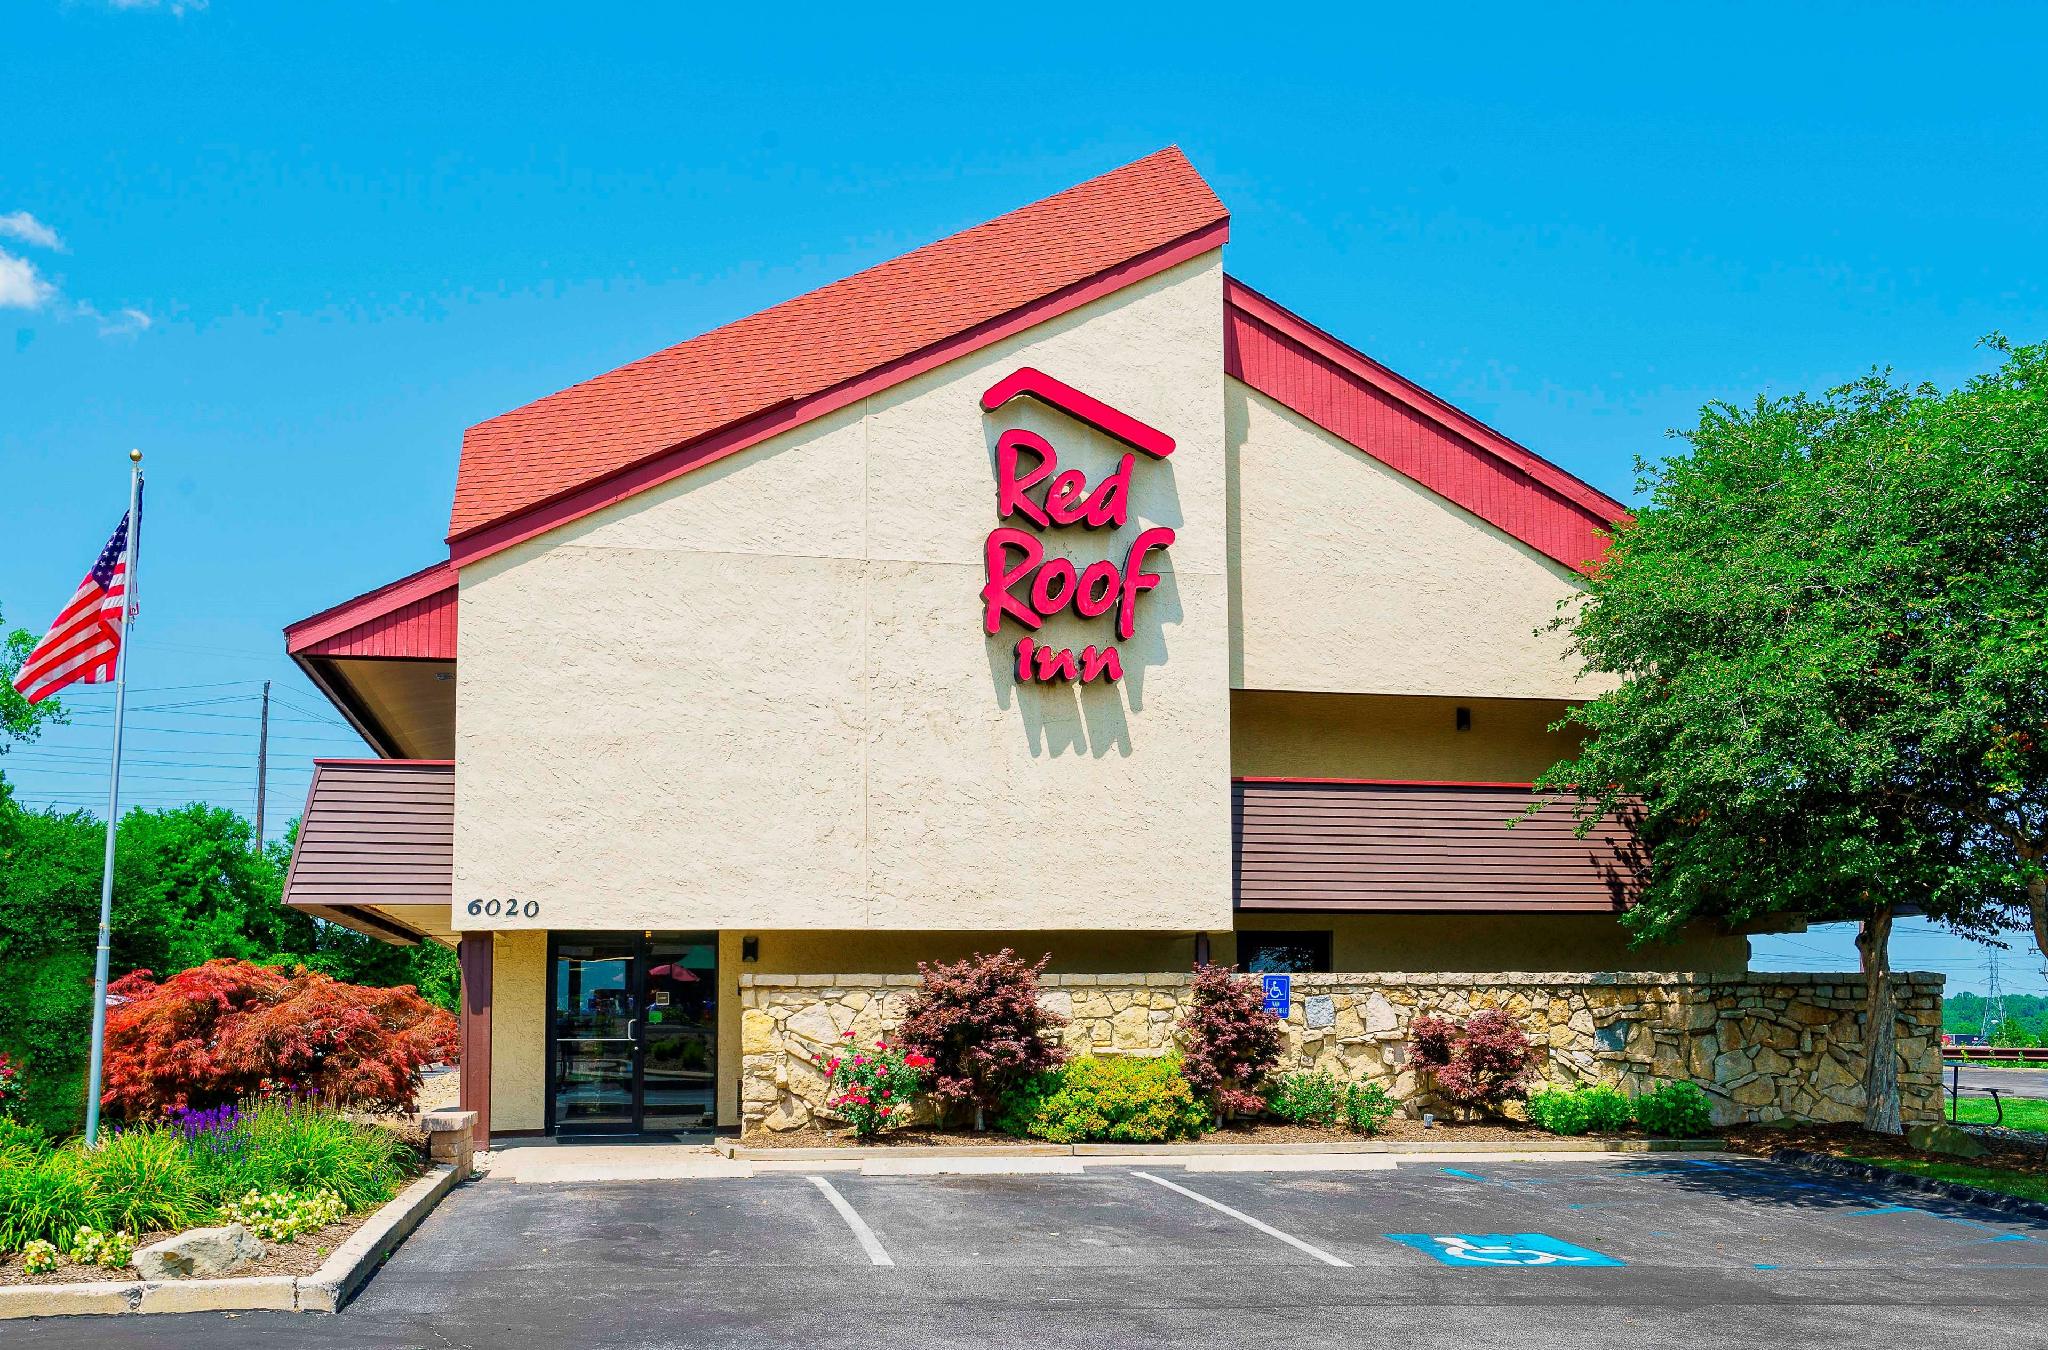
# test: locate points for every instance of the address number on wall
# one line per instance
(506, 909)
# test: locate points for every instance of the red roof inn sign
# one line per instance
(1026, 586)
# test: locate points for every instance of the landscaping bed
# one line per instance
(303, 1256)
(1399, 1130)
(299, 1178)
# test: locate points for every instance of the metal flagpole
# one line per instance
(99, 972)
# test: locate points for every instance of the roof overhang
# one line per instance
(380, 657)
(376, 845)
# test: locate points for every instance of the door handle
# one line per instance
(631, 1034)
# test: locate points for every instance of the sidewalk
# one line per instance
(555, 1163)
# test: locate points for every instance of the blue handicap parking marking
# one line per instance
(1276, 992)
(1504, 1249)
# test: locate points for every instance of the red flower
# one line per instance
(915, 1061)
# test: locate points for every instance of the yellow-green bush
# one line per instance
(1123, 1100)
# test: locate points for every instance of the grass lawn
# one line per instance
(2024, 1185)
(2021, 1113)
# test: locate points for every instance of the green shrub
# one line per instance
(298, 1147)
(21, 1142)
(1680, 1110)
(38, 1257)
(91, 1247)
(1125, 1100)
(281, 1216)
(1306, 1099)
(1598, 1108)
(1366, 1107)
(147, 1181)
(47, 1198)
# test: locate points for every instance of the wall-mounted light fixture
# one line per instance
(750, 949)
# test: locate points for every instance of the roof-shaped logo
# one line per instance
(1027, 382)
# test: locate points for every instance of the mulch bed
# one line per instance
(300, 1257)
(1398, 1130)
(1853, 1141)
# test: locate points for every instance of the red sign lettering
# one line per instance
(1025, 586)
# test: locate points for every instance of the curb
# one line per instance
(920, 1152)
(326, 1290)
(1886, 1178)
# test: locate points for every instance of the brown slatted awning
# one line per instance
(1320, 844)
(376, 833)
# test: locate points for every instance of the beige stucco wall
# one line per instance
(760, 696)
(1350, 578)
(519, 1034)
(1276, 734)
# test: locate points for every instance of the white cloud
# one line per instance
(21, 287)
(177, 7)
(127, 323)
(25, 227)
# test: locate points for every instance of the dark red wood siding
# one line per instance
(1412, 431)
(376, 832)
(1443, 847)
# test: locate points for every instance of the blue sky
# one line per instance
(298, 248)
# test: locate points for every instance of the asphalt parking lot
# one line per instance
(1571, 1252)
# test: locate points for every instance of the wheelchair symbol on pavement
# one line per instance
(1504, 1249)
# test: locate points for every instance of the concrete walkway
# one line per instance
(549, 1163)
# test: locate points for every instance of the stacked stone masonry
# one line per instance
(1764, 1046)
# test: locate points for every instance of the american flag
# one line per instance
(82, 646)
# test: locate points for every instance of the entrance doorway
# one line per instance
(632, 1032)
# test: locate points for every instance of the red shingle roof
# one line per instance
(551, 447)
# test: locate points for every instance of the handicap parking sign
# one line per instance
(1504, 1249)
(1278, 990)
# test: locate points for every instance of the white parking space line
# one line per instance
(1317, 1252)
(869, 1243)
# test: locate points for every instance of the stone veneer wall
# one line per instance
(1763, 1045)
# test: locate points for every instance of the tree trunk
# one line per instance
(2037, 906)
(1881, 1030)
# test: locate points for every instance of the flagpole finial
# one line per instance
(135, 457)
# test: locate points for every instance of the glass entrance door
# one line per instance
(633, 1036)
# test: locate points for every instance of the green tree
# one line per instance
(188, 887)
(20, 720)
(1830, 632)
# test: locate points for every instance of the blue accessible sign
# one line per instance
(1279, 990)
(1503, 1249)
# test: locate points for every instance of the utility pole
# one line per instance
(1994, 1002)
(262, 765)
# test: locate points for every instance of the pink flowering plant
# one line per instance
(873, 1090)
(10, 1086)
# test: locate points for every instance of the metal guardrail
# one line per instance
(1967, 1053)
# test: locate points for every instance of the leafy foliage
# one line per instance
(1482, 1064)
(1597, 1108)
(147, 1181)
(228, 1030)
(1313, 1098)
(872, 1090)
(1229, 1041)
(156, 1178)
(1679, 1110)
(1367, 1107)
(1830, 628)
(1318, 1098)
(1117, 1099)
(283, 1216)
(981, 1024)
(20, 720)
(188, 887)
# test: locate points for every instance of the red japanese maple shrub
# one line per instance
(981, 1023)
(1482, 1064)
(228, 1030)
(1229, 1041)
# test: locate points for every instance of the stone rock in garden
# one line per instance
(1319, 1011)
(1945, 1138)
(200, 1254)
